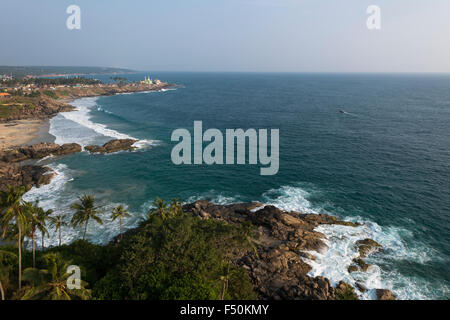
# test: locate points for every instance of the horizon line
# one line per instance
(132, 70)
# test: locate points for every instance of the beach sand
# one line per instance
(24, 133)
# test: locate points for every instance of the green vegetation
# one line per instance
(12, 208)
(5, 111)
(58, 222)
(121, 213)
(85, 210)
(51, 94)
(347, 293)
(50, 283)
(172, 254)
(175, 255)
(11, 107)
(21, 93)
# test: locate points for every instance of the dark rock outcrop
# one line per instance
(358, 265)
(361, 287)
(38, 151)
(384, 294)
(367, 246)
(277, 268)
(15, 175)
(113, 146)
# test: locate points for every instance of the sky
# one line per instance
(229, 35)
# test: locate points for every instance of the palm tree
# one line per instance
(43, 217)
(51, 283)
(176, 207)
(58, 222)
(120, 212)
(33, 223)
(161, 208)
(5, 269)
(12, 208)
(84, 211)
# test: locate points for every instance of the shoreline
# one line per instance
(35, 130)
(43, 135)
(26, 132)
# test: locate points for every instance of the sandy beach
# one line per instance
(25, 132)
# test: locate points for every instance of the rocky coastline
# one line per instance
(113, 146)
(16, 172)
(12, 170)
(278, 266)
(46, 107)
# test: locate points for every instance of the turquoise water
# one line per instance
(385, 162)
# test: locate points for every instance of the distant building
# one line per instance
(6, 77)
(147, 81)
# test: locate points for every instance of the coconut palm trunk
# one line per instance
(43, 235)
(34, 249)
(2, 291)
(121, 235)
(59, 236)
(19, 245)
(85, 229)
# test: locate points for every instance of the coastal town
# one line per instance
(28, 102)
(32, 86)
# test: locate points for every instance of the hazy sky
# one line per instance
(229, 35)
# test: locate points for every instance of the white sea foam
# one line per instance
(333, 263)
(153, 91)
(53, 196)
(104, 110)
(288, 198)
(47, 193)
(123, 93)
(81, 129)
(214, 197)
(58, 196)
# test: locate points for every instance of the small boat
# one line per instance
(342, 111)
(12, 124)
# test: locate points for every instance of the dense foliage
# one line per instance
(170, 255)
(179, 257)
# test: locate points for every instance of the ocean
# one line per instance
(384, 162)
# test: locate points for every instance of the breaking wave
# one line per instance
(77, 126)
(398, 243)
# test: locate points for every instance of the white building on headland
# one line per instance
(147, 80)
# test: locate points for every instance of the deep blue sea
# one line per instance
(385, 162)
